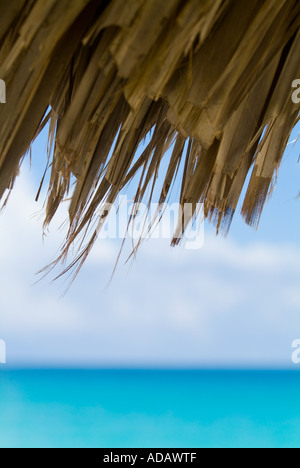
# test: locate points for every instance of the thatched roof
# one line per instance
(215, 73)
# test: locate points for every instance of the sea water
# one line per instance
(145, 408)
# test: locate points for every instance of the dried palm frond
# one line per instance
(215, 74)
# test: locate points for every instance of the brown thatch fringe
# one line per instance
(214, 73)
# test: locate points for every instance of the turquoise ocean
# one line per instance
(145, 408)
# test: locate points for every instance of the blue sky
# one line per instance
(234, 303)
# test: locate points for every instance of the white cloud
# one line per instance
(223, 305)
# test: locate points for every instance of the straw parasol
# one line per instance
(211, 79)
